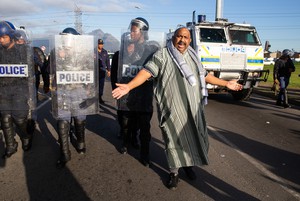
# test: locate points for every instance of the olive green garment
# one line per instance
(181, 113)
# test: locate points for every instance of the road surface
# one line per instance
(254, 155)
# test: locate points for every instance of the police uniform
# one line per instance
(16, 91)
(104, 65)
(74, 96)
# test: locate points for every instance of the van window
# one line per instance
(212, 35)
(246, 37)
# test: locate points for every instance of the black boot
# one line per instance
(9, 136)
(63, 132)
(26, 144)
(120, 113)
(278, 102)
(11, 145)
(145, 138)
(80, 135)
(134, 132)
(101, 101)
(173, 181)
(126, 134)
(145, 160)
(27, 128)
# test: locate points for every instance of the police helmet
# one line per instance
(21, 35)
(7, 28)
(141, 23)
(70, 30)
(287, 52)
(11, 25)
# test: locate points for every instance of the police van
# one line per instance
(228, 51)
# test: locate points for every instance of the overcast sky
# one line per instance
(276, 21)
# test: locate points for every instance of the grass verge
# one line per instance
(294, 81)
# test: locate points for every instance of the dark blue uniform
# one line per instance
(104, 64)
(14, 103)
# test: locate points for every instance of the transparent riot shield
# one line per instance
(133, 55)
(17, 78)
(75, 82)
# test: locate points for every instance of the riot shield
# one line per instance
(17, 78)
(75, 83)
(133, 55)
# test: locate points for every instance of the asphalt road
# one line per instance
(254, 155)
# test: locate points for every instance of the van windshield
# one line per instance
(212, 35)
(245, 37)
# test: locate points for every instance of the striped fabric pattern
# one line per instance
(181, 114)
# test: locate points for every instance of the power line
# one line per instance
(78, 19)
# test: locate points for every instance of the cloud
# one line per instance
(45, 17)
(33, 7)
(10, 8)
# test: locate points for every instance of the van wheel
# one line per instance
(242, 95)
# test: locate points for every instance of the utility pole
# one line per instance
(78, 18)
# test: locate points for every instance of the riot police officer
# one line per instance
(39, 59)
(17, 90)
(138, 103)
(283, 69)
(74, 97)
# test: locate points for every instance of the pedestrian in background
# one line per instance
(104, 68)
(179, 87)
(283, 69)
